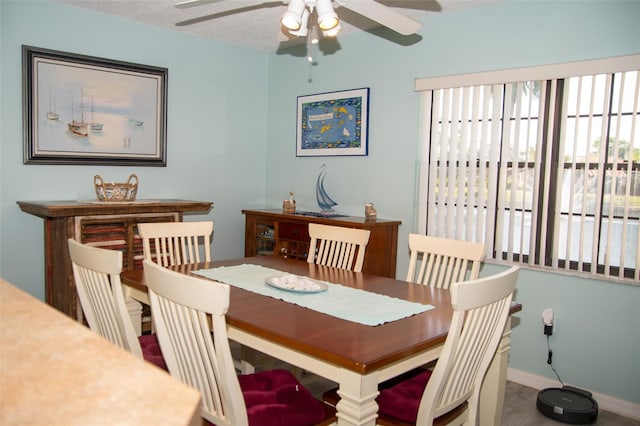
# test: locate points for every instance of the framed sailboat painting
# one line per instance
(334, 123)
(81, 109)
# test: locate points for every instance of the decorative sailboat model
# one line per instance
(324, 201)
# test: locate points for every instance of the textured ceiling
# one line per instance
(240, 23)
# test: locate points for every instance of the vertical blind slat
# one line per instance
(574, 178)
(473, 226)
(522, 183)
(561, 194)
(433, 161)
(463, 144)
(614, 136)
(535, 202)
(484, 233)
(601, 176)
(506, 192)
(617, 178)
(545, 182)
(634, 144)
(493, 216)
(442, 157)
(452, 160)
(587, 172)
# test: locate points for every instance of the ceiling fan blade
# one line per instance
(383, 15)
(247, 6)
(193, 3)
(427, 5)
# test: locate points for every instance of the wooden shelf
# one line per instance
(272, 232)
(109, 225)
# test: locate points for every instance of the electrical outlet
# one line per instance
(547, 320)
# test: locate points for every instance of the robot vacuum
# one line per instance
(568, 405)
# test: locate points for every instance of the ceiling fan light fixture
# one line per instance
(292, 17)
(333, 31)
(303, 30)
(327, 18)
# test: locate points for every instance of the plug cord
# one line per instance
(550, 361)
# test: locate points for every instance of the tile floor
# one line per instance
(519, 408)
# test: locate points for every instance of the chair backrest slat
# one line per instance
(176, 243)
(337, 246)
(440, 262)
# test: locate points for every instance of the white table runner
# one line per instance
(343, 302)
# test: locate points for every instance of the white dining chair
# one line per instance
(176, 243)
(189, 314)
(337, 246)
(450, 393)
(96, 272)
(440, 262)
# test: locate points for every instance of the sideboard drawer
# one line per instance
(293, 231)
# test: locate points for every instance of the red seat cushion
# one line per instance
(151, 350)
(276, 398)
(403, 400)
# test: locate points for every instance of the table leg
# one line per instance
(247, 362)
(133, 299)
(495, 382)
(135, 313)
(357, 405)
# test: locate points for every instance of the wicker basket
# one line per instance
(116, 191)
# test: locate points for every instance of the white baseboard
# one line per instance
(605, 402)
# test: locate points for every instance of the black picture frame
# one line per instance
(80, 109)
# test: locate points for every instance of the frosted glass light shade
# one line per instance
(327, 18)
(292, 18)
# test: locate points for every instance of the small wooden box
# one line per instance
(288, 207)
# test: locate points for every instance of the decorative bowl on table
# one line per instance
(295, 283)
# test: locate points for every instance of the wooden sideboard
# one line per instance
(109, 225)
(270, 232)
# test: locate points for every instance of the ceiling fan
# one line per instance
(303, 16)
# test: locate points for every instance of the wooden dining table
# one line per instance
(357, 357)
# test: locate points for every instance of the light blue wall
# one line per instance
(216, 127)
(597, 339)
(231, 136)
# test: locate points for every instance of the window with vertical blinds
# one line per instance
(542, 165)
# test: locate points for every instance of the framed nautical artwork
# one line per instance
(334, 123)
(81, 109)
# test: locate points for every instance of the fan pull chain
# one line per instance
(310, 44)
